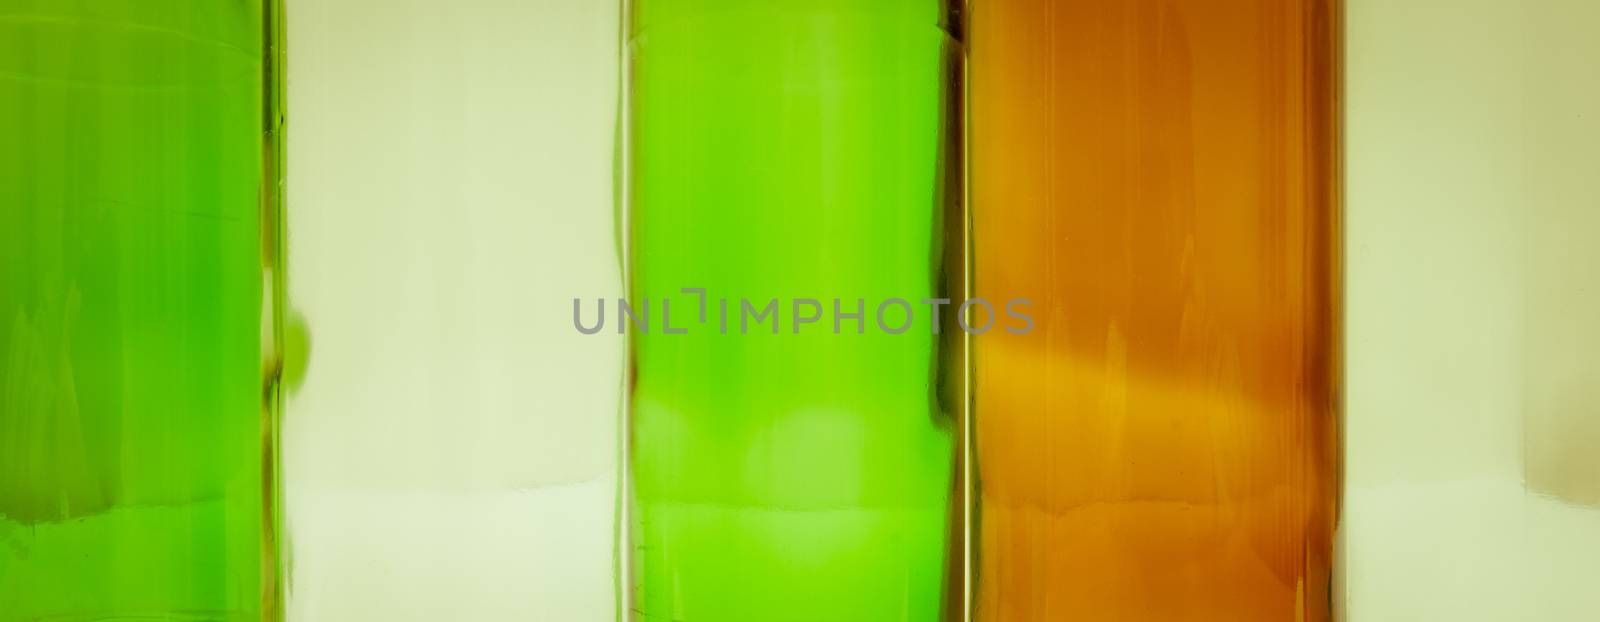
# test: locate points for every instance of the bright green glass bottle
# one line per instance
(783, 150)
(137, 222)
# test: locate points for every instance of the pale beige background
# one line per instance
(452, 452)
(1473, 353)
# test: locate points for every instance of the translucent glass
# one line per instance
(137, 344)
(451, 445)
(780, 150)
(1473, 445)
(1160, 179)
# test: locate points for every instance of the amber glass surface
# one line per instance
(1160, 177)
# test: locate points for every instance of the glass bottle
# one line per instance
(138, 341)
(1160, 179)
(1474, 354)
(451, 441)
(782, 152)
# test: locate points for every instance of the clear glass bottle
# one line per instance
(1473, 437)
(451, 445)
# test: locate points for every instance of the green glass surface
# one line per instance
(134, 465)
(784, 149)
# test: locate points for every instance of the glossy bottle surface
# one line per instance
(135, 190)
(781, 150)
(1160, 178)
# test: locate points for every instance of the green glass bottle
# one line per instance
(782, 150)
(137, 228)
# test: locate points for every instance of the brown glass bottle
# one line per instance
(1160, 179)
